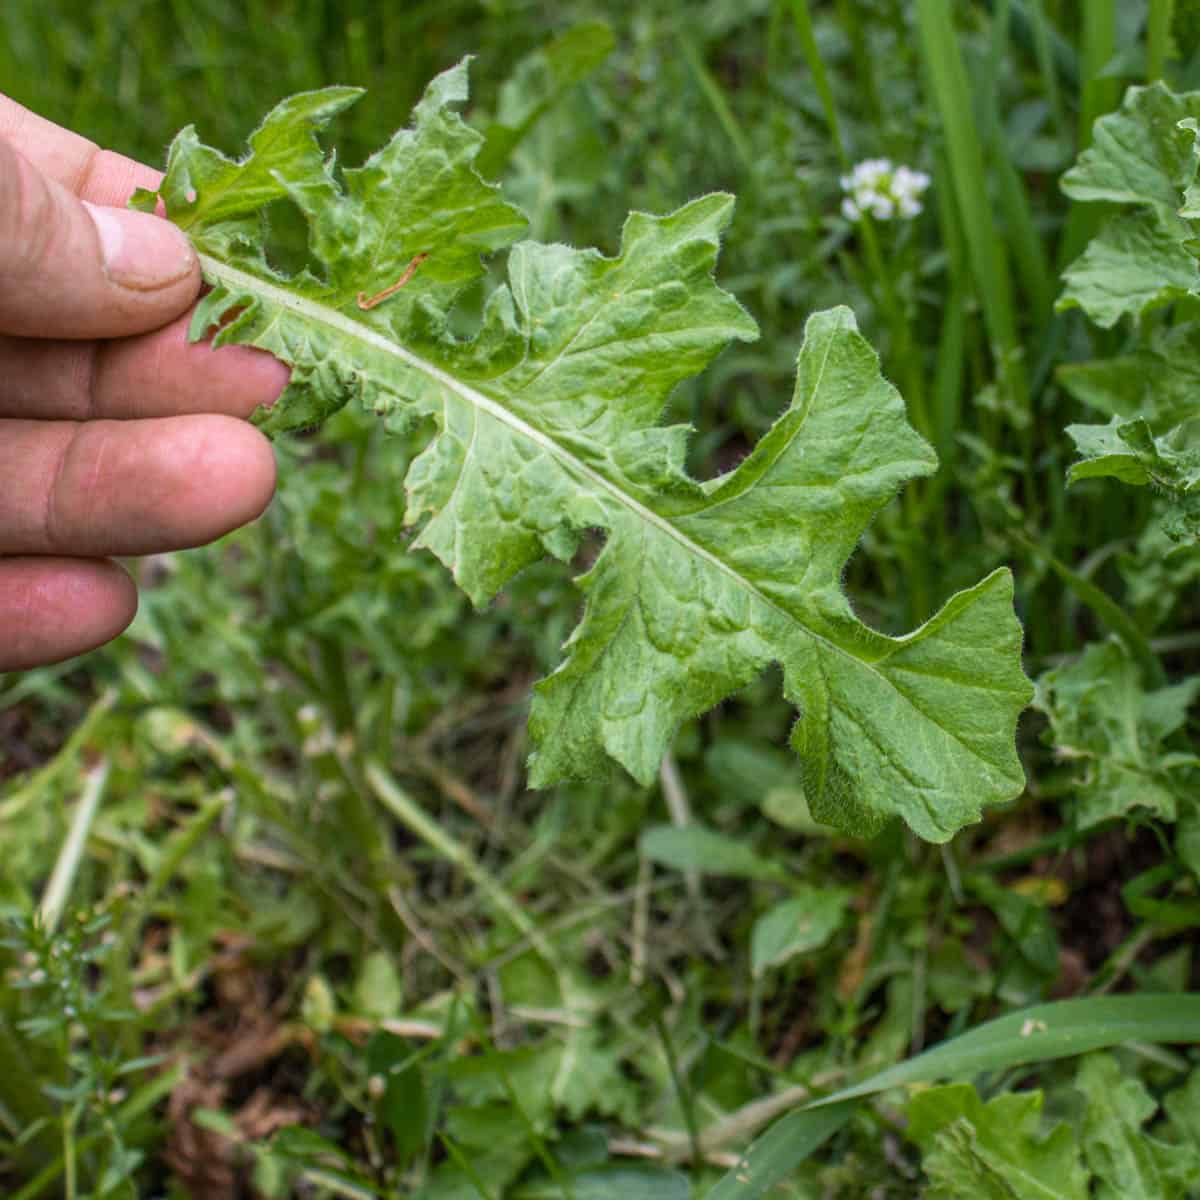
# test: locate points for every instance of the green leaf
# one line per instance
(797, 926)
(1158, 380)
(1101, 718)
(779, 1151)
(1129, 1164)
(403, 1106)
(1129, 451)
(1140, 157)
(956, 981)
(494, 1147)
(1183, 1108)
(1028, 924)
(974, 1150)
(1043, 1032)
(694, 848)
(629, 1181)
(1133, 265)
(378, 992)
(1038, 1034)
(576, 1074)
(544, 428)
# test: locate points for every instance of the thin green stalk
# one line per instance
(904, 352)
(1036, 26)
(849, 20)
(353, 805)
(536, 1140)
(953, 100)
(1158, 38)
(335, 685)
(952, 97)
(22, 1099)
(802, 17)
(141, 1102)
(463, 1162)
(37, 787)
(1098, 95)
(70, 1182)
(370, 840)
(951, 365)
(179, 847)
(686, 1103)
(406, 810)
(1107, 609)
(903, 349)
(1043, 49)
(1029, 255)
(717, 102)
(912, 380)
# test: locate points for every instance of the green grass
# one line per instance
(295, 791)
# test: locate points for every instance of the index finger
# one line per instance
(98, 176)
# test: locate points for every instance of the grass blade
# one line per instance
(1158, 38)
(952, 99)
(58, 890)
(1098, 95)
(802, 17)
(711, 91)
(780, 1150)
(1061, 1029)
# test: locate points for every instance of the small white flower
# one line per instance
(878, 187)
(882, 207)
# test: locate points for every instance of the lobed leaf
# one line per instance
(799, 925)
(1102, 720)
(1144, 156)
(1039, 1034)
(1129, 1163)
(545, 429)
(973, 1150)
(1143, 159)
(1157, 379)
(1129, 451)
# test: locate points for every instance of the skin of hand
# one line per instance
(117, 436)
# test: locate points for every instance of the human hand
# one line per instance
(117, 436)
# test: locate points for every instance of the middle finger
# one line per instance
(154, 374)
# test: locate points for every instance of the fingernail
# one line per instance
(140, 250)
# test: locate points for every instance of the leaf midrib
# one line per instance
(324, 315)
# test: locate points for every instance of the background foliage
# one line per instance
(302, 927)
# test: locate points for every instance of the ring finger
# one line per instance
(99, 488)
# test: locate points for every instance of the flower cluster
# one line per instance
(882, 190)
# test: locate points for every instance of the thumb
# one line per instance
(76, 270)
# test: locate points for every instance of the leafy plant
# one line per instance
(971, 1149)
(70, 1024)
(1115, 734)
(395, 971)
(1144, 158)
(544, 417)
